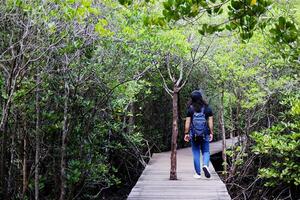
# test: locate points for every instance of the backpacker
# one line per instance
(199, 124)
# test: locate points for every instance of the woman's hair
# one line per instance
(197, 102)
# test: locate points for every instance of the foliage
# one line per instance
(246, 16)
(111, 60)
(280, 144)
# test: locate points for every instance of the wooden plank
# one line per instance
(154, 182)
(152, 197)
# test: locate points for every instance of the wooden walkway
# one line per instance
(154, 182)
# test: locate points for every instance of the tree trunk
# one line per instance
(4, 137)
(37, 138)
(24, 170)
(3, 171)
(64, 145)
(173, 173)
(10, 86)
(131, 118)
(223, 132)
(231, 117)
(237, 121)
(10, 179)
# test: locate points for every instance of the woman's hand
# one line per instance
(211, 137)
(187, 137)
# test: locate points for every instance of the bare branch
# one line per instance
(196, 63)
(167, 89)
(181, 74)
(4, 69)
(168, 68)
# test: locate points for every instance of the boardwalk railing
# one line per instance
(154, 182)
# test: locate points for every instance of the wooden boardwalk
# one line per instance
(154, 182)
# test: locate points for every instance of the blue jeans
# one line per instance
(204, 146)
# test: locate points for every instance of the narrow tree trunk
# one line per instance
(4, 138)
(231, 117)
(64, 145)
(24, 170)
(3, 170)
(173, 173)
(1, 161)
(10, 178)
(37, 138)
(223, 132)
(237, 121)
(131, 118)
(9, 88)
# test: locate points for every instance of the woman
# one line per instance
(199, 130)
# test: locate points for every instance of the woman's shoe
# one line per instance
(197, 176)
(206, 171)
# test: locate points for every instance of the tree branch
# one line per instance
(195, 63)
(167, 89)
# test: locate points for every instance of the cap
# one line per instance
(196, 95)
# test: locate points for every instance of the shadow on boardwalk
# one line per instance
(154, 182)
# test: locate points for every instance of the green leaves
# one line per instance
(101, 29)
(246, 15)
(125, 2)
(285, 31)
(175, 10)
(209, 29)
(280, 143)
(243, 14)
(154, 20)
